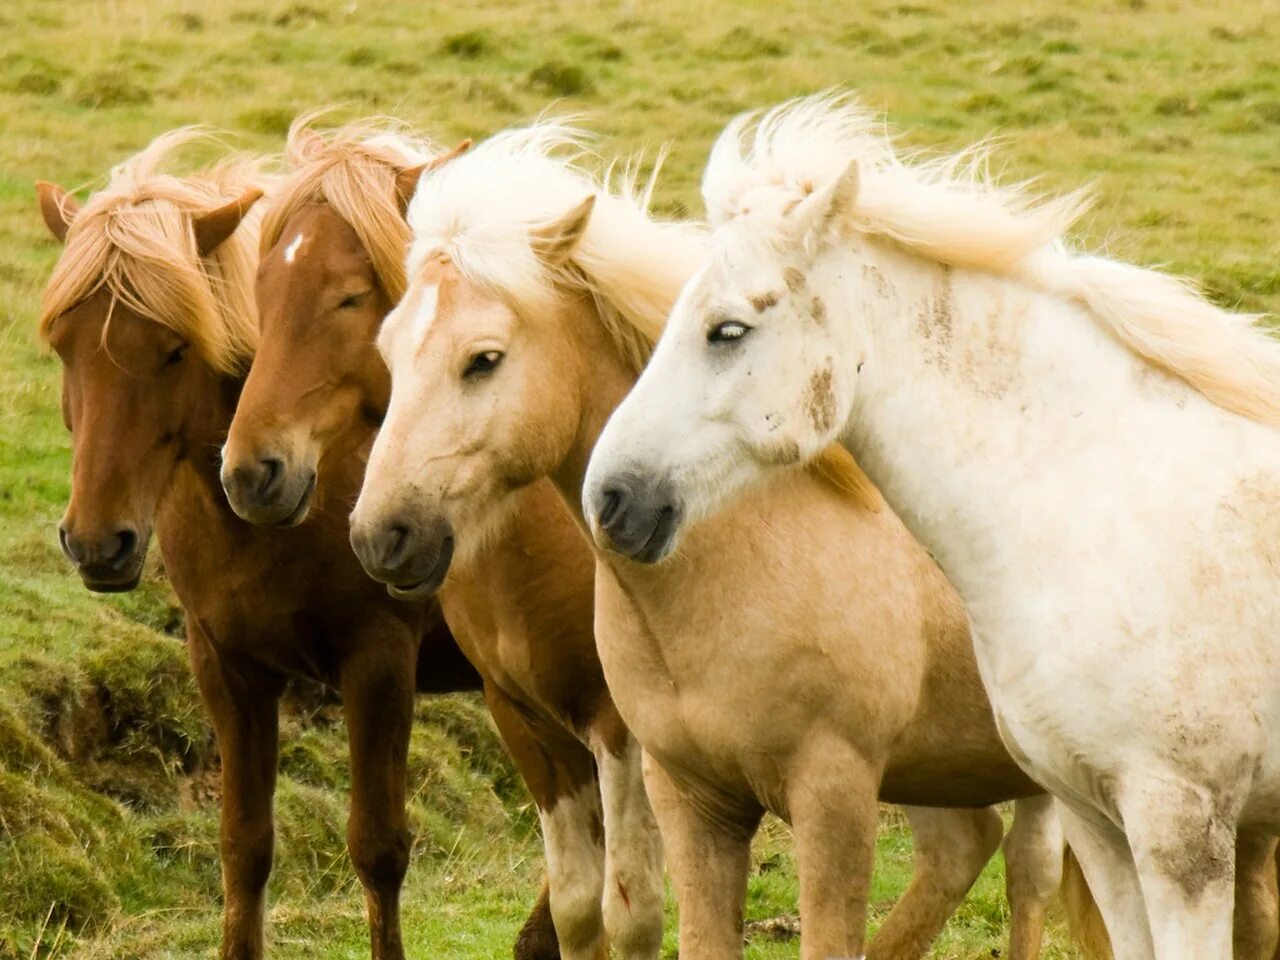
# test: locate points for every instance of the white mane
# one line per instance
(485, 208)
(950, 210)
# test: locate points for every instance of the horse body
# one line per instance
(508, 354)
(1034, 418)
(519, 604)
(150, 386)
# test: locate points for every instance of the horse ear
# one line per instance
(57, 207)
(407, 179)
(407, 184)
(830, 203)
(215, 226)
(554, 242)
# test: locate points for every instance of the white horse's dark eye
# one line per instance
(727, 332)
(483, 363)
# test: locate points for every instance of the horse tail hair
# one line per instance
(1084, 919)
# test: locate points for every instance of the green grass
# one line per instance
(107, 785)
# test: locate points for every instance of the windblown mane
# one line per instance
(949, 209)
(352, 169)
(135, 238)
(484, 209)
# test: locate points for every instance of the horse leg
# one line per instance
(1256, 916)
(537, 938)
(633, 895)
(1033, 871)
(833, 806)
(243, 700)
(951, 848)
(1183, 839)
(1108, 867)
(561, 776)
(377, 683)
(709, 861)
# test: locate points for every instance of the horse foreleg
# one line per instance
(560, 774)
(1257, 914)
(832, 800)
(1183, 838)
(633, 853)
(951, 848)
(1032, 871)
(377, 682)
(243, 701)
(709, 861)
(1107, 864)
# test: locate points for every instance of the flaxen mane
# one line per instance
(135, 238)
(352, 169)
(950, 210)
(486, 209)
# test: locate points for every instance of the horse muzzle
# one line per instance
(269, 491)
(635, 517)
(106, 562)
(412, 559)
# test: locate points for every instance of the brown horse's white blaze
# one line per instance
(802, 656)
(519, 603)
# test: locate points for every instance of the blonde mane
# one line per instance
(353, 169)
(135, 239)
(950, 210)
(484, 209)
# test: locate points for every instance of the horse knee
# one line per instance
(633, 914)
(379, 853)
(247, 851)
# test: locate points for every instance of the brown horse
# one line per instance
(151, 313)
(333, 246)
(802, 656)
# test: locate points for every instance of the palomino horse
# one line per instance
(151, 312)
(758, 677)
(333, 246)
(1088, 448)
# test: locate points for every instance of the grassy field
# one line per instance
(107, 773)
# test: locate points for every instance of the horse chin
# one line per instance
(427, 587)
(119, 583)
(302, 508)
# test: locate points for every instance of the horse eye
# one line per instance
(353, 301)
(483, 363)
(727, 332)
(177, 355)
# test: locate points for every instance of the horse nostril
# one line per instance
(126, 541)
(395, 542)
(611, 507)
(271, 472)
(64, 540)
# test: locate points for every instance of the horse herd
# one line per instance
(408, 420)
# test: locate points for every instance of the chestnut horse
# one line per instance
(803, 656)
(150, 311)
(333, 245)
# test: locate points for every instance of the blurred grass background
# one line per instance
(108, 776)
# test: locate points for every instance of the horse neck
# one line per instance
(605, 378)
(982, 399)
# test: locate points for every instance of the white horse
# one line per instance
(1088, 449)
